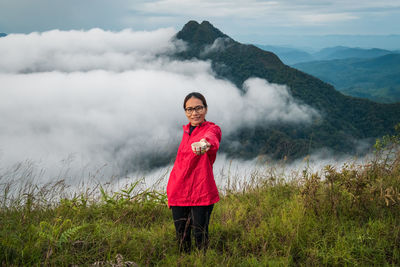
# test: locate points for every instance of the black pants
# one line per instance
(194, 218)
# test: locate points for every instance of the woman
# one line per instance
(191, 188)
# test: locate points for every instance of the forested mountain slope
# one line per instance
(377, 79)
(344, 120)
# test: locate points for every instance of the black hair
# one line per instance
(195, 95)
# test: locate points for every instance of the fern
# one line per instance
(68, 234)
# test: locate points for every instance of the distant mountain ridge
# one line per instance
(373, 78)
(287, 54)
(293, 56)
(344, 119)
(341, 52)
(2, 34)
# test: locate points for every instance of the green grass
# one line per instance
(338, 216)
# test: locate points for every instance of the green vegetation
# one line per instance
(338, 216)
(377, 79)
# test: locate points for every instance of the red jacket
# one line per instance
(191, 182)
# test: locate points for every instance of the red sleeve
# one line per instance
(213, 136)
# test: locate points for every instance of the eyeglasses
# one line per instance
(198, 109)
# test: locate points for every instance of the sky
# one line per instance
(289, 22)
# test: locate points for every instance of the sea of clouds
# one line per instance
(78, 103)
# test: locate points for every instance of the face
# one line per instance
(196, 117)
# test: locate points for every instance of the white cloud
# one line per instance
(115, 98)
(286, 12)
(327, 18)
(241, 9)
(220, 44)
(84, 50)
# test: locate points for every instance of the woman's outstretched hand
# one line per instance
(204, 149)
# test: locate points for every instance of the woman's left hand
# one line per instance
(203, 151)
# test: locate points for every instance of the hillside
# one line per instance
(288, 55)
(291, 56)
(337, 217)
(344, 119)
(341, 52)
(377, 79)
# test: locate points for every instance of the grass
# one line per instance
(337, 216)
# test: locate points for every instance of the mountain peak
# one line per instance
(201, 34)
